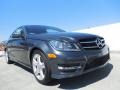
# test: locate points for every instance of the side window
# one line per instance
(17, 33)
(51, 30)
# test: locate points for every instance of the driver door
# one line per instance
(20, 48)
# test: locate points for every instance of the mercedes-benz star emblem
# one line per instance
(99, 43)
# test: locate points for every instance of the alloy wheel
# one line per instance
(38, 67)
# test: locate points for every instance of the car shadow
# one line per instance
(80, 81)
(23, 67)
(86, 79)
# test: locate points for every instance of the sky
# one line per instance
(69, 15)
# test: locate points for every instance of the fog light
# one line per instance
(52, 56)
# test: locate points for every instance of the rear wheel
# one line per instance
(8, 61)
(40, 68)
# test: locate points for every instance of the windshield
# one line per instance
(42, 29)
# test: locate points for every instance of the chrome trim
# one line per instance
(101, 42)
(91, 47)
(69, 68)
(89, 42)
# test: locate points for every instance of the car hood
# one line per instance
(62, 36)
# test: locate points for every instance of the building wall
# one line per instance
(111, 33)
(1, 48)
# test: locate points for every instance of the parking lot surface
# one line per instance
(17, 77)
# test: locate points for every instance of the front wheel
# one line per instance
(40, 68)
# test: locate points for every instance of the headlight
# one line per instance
(64, 45)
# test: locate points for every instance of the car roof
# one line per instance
(35, 26)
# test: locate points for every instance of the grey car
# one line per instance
(53, 53)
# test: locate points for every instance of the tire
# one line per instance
(8, 61)
(40, 67)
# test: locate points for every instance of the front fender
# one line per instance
(43, 46)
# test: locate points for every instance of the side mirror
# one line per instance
(17, 36)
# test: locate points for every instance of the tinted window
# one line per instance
(17, 32)
(39, 30)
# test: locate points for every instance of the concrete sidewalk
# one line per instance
(2, 53)
(17, 77)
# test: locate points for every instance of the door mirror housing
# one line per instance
(18, 36)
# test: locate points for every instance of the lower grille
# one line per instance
(97, 62)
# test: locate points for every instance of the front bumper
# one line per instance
(70, 64)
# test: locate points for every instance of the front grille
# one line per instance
(92, 43)
(96, 62)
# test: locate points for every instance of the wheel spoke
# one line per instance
(39, 60)
(41, 74)
(35, 62)
(42, 66)
(37, 71)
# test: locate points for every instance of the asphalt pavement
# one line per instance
(17, 77)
